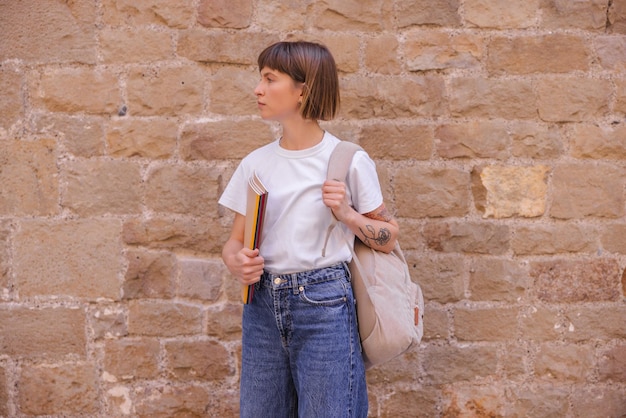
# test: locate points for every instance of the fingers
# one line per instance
(251, 266)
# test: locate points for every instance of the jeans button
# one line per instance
(277, 281)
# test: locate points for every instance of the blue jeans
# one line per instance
(301, 353)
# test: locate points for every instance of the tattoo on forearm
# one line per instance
(380, 215)
(380, 239)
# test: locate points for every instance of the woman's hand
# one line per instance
(334, 196)
(244, 264)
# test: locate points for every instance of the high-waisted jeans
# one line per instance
(301, 354)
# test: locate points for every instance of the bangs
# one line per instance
(281, 57)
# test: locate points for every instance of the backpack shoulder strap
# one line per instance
(338, 166)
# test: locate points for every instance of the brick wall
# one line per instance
(499, 129)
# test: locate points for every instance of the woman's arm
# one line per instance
(244, 264)
(377, 229)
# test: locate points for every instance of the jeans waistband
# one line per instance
(303, 278)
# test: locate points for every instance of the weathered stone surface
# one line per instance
(47, 333)
(143, 138)
(564, 362)
(564, 280)
(498, 15)
(381, 55)
(232, 91)
(391, 141)
(475, 139)
(482, 400)
(223, 140)
(80, 258)
(436, 325)
(595, 323)
(11, 107)
(393, 97)
(536, 141)
(440, 277)
(428, 50)
(284, 16)
(553, 239)
(4, 392)
(497, 279)
(539, 323)
(96, 187)
(555, 53)
(600, 400)
(199, 360)
(424, 12)
(448, 364)
(168, 91)
(467, 237)
(108, 321)
(149, 12)
(29, 178)
(422, 402)
(611, 52)
(203, 279)
(616, 17)
(72, 90)
(65, 389)
(559, 14)
(598, 142)
(135, 45)
(489, 324)
(580, 190)
(338, 15)
(436, 192)
(173, 401)
(217, 47)
(612, 238)
(345, 48)
(225, 13)
(82, 136)
(160, 318)
(130, 359)
(537, 400)
(48, 31)
(492, 98)
(620, 101)
(613, 364)
(225, 323)
(572, 99)
(5, 255)
(149, 275)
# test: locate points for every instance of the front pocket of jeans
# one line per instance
(329, 293)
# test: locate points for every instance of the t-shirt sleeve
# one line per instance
(235, 195)
(364, 184)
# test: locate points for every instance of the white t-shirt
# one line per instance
(296, 218)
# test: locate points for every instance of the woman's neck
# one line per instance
(301, 134)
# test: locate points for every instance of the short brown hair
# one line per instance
(313, 65)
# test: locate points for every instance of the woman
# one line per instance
(300, 346)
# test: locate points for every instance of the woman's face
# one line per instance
(278, 95)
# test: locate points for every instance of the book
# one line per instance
(255, 216)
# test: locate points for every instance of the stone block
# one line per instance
(576, 280)
(29, 178)
(67, 389)
(616, 17)
(97, 187)
(179, 15)
(81, 136)
(542, 399)
(225, 323)
(391, 97)
(595, 322)
(429, 50)
(232, 91)
(201, 278)
(423, 13)
(564, 362)
(573, 99)
(535, 141)
(381, 55)
(447, 364)
(441, 277)
(560, 14)
(476, 139)
(338, 15)
(513, 360)
(163, 319)
(497, 279)
(131, 359)
(537, 239)
(223, 47)
(79, 258)
(598, 400)
(108, 321)
(4, 392)
(235, 14)
(580, 190)
(142, 138)
(203, 236)
(485, 324)
(472, 400)
(422, 402)
(556, 53)
(48, 32)
(612, 365)
(166, 91)
(224, 139)
(175, 401)
(78, 90)
(11, 104)
(5, 255)
(45, 333)
(345, 48)
(431, 192)
(612, 238)
(492, 98)
(467, 237)
(403, 369)
(181, 189)
(284, 16)
(394, 141)
(436, 324)
(201, 360)
(620, 100)
(149, 275)
(540, 323)
(494, 14)
(598, 142)
(611, 52)
(136, 45)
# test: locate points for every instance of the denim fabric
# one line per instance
(301, 354)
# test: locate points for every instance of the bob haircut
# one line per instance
(312, 65)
